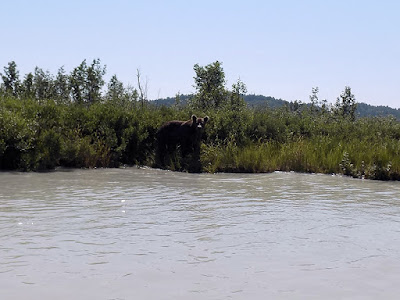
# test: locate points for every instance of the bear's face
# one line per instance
(199, 123)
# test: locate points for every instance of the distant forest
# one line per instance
(363, 109)
(85, 84)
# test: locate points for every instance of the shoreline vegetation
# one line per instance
(68, 120)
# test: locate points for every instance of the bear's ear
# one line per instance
(206, 119)
(194, 118)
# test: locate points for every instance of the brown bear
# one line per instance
(183, 134)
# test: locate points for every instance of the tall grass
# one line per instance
(356, 158)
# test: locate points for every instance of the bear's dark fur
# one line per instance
(183, 134)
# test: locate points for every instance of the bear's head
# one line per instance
(199, 123)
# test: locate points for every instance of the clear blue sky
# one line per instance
(277, 48)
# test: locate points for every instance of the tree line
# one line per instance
(83, 85)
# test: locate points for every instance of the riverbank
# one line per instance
(42, 135)
(318, 155)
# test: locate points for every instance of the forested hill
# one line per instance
(251, 100)
(363, 109)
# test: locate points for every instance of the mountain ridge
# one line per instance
(253, 100)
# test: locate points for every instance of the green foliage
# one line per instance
(83, 85)
(42, 135)
(346, 104)
(86, 82)
(11, 83)
(228, 125)
(27, 88)
(236, 96)
(43, 84)
(41, 128)
(115, 89)
(62, 88)
(210, 86)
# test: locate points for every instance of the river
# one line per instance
(152, 234)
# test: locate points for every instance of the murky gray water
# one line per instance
(152, 234)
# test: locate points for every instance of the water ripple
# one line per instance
(260, 235)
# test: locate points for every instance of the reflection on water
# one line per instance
(152, 234)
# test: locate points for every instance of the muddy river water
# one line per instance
(152, 234)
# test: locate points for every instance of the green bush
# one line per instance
(37, 135)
